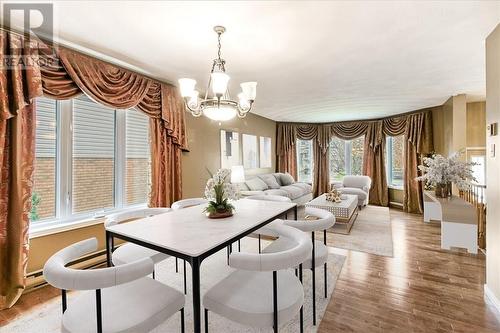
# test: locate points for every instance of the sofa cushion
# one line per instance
(305, 186)
(270, 181)
(277, 175)
(286, 179)
(356, 191)
(362, 182)
(280, 192)
(256, 184)
(294, 192)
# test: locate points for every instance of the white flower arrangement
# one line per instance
(438, 170)
(219, 191)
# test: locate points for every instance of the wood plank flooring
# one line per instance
(421, 289)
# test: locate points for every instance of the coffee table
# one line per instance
(345, 211)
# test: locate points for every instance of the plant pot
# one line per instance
(220, 215)
(443, 190)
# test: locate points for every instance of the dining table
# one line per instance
(190, 235)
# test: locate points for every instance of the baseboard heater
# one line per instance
(36, 280)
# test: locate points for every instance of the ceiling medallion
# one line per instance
(219, 106)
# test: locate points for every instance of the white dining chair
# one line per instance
(185, 203)
(125, 299)
(262, 291)
(267, 230)
(319, 254)
(130, 252)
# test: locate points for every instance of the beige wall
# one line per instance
(204, 148)
(476, 124)
(493, 163)
(450, 126)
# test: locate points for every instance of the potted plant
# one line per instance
(440, 172)
(220, 191)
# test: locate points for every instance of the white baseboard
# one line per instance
(491, 296)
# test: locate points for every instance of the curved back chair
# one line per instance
(124, 289)
(185, 203)
(319, 254)
(259, 298)
(267, 230)
(130, 252)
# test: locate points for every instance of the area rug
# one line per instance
(47, 317)
(371, 233)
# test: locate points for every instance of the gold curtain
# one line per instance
(321, 180)
(418, 141)
(20, 83)
(348, 130)
(374, 163)
(285, 148)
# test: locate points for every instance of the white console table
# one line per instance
(458, 221)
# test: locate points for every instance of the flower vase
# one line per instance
(220, 215)
(442, 190)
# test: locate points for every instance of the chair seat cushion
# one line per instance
(283, 244)
(246, 297)
(129, 252)
(355, 191)
(137, 306)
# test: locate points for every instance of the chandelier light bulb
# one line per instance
(249, 89)
(193, 99)
(244, 103)
(187, 87)
(219, 83)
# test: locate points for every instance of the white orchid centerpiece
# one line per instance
(220, 191)
(438, 170)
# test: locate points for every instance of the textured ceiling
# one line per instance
(314, 61)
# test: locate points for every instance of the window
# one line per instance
(90, 159)
(44, 185)
(346, 157)
(394, 160)
(305, 160)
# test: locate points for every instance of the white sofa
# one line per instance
(357, 185)
(277, 184)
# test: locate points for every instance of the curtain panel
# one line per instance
(20, 84)
(374, 163)
(64, 74)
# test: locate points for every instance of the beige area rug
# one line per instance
(371, 232)
(47, 317)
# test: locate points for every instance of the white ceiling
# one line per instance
(314, 61)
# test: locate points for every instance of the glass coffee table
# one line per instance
(345, 211)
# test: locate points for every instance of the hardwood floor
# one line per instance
(421, 289)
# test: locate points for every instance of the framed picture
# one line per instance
(265, 152)
(250, 151)
(229, 149)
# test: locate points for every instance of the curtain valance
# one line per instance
(348, 130)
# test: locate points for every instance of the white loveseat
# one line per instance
(277, 184)
(357, 185)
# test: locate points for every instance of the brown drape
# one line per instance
(285, 149)
(321, 180)
(123, 89)
(19, 85)
(418, 141)
(349, 130)
(374, 163)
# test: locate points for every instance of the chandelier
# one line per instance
(219, 106)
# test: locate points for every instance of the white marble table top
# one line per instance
(190, 232)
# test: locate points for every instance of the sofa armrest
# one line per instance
(336, 184)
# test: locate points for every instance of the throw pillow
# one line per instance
(278, 177)
(270, 180)
(256, 184)
(287, 179)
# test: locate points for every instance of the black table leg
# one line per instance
(109, 248)
(195, 267)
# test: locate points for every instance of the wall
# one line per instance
(476, 124)
(493, 163)
(204, 148)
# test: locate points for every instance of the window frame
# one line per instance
(297, 156)
(64, 217)
(347, 157)
(389, 164)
